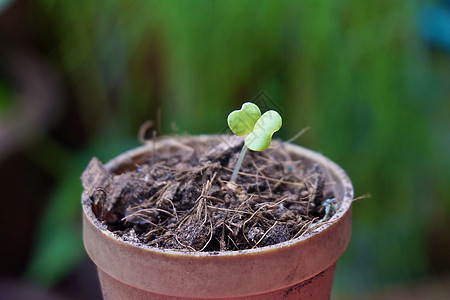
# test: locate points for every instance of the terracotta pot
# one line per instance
(302, 268)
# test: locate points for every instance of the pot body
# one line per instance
(302, 268)
(317, 287)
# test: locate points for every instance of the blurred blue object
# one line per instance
(434, 25)
(4, 4)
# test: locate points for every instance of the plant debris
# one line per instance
(183, 199)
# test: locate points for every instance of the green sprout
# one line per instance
(259, 129)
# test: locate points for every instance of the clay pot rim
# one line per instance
(345, 204)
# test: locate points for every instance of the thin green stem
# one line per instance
(239, 163)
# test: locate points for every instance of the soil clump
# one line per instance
(183, 198)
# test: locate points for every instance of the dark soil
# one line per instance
(183, 199)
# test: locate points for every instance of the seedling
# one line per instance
(258, 128)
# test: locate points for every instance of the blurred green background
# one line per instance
(370, 78)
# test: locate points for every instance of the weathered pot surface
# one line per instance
(296, 269)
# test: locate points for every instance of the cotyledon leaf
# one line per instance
(261, 136)
(242, 121)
